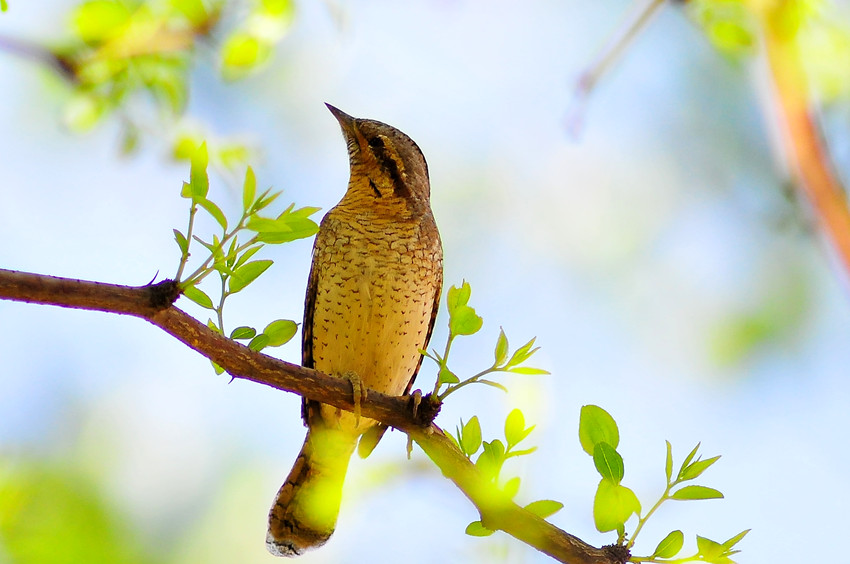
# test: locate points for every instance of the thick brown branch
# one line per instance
(153, 303)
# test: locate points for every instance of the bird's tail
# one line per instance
(304, 514)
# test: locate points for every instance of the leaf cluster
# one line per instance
(492, 458)
(614, 503)
(464, 321)
(232, 258)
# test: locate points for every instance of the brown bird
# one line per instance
(371, 301)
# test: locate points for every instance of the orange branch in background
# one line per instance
(804, 147)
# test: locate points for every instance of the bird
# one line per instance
(371, 301)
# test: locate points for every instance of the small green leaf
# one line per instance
(265, 200)
(247, 273)
(493, 384)
(687, 461)
(447, 376)
(511, 487)
(596, 426)
(490, 461)
(280, 332)
(668, 464)
(181, 241)
(735, 540)
(249, 189)
(199, 181)
(243, 52)
(669, 545)
(476, 529)
(613, 505)
(544, 508)
(259, 342)
(218, 369)
(99, 19)
(523, 353)
(3, 6)
(243, 332)
(246, 254)
(696, 492)
(458, 297)
(698, 467)
(708, 549)
(198, 296)
(515, 430)
(211, 324)
(214, 211)
(465, 321)
(501, 352)
(528, 370)
(471, 436)
(521, 452)
(608, 462)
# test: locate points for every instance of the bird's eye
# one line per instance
(376, 142)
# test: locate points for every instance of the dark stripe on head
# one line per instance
(390, 165)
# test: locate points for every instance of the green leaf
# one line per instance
(3, 6)
(511, 487)
(669, 545)
(490, 461)
(476, 529)
(214, 211)
(708, 549)
(736, 539)
(544, 508)
(199, 181)
(470, 438)
(458, 297)
(198, 296)
(596, 426)
(698, 467)
(249, 189)
(211, 324)
(243, 332)
(259, 342)
(265, 200)
(608, 462)
(501, 352)
(696, 492)
(613, 505)
(687, 461)
(465, 321)
(288, 227)
(514, 428)
(523, 353)
(521, 452)
(528, 370)
(98, 20)
(242, 53)
(246, 254)
(447, 376)
(218, 369)
(668, 464)
(247, 273)
(280, 332)
(181, 241)
(492, 384)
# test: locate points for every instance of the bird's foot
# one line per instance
(358, 391)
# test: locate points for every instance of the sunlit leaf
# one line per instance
(181, 241)
(259, 342)
(280, 332)
(447, 376)
(696, 492)
(214, 211)
(247, 273)
(493, 384)
(668, 463)
(476, 529)
(596, 426)
(97, 20)
(501, 351)
(708, 549)
(735, 540)
(698, 467)
(198, 179)
(511, 487)
(198, 296)
(687, 461)
(670, 545)
(242, 53)
(470, 438)
(608, 462)
(249, 189)
(613, 505)
(544, 508)
(528, 370)
(243, 332)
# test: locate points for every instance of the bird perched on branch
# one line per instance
(372, 297)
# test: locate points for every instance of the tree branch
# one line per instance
(154, 304)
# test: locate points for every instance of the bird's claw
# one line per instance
(358, 392)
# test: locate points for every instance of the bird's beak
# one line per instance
(345, 121)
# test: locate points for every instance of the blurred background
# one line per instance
(660, 256)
